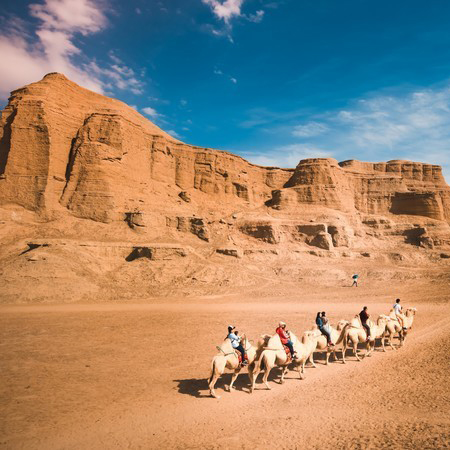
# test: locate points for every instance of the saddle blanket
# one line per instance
(239, 356)
(288, 353)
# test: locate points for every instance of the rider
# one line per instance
(322, 324)
(399, 313)
(236, 343)
(285, 338)
(364, 316)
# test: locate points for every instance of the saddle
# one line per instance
(288, 353)
(239, 356)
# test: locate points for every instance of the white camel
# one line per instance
(273, 355)
(394, 327)
(378, 331)
(337, 335)
(355, 334)
(228, 359)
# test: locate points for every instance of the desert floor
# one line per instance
(134, 375)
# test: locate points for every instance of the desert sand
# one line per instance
(125, 254)
(135, 376)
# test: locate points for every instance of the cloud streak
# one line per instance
(413, 126)
(226, 9)
(51, 47)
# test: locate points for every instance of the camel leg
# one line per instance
(253, 378)
(311, 360)
(283, 374)
(401, 338)
(233, 379)
(383, 343)
(212, 384)
(266, 377)
(301, 370)
(217, 370)
(391, 336)
(344, 351)
(355, 351)
(327, 357)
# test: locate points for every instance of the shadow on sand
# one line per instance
(198, 387)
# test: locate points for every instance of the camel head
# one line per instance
(308, 336)
(411, 311)
(341, 324)
(382, 319)
(263, 340)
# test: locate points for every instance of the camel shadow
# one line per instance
(198, 387)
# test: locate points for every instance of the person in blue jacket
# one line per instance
(320, 324)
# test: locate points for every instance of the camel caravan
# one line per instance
(287, 351)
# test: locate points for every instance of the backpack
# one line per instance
(355, 277)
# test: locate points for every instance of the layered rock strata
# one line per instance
(67, 151)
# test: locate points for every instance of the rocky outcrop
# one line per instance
(67, 151)
(396, 187)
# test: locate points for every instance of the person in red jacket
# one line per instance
(285, 338)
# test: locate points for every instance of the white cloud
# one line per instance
(287, 155)
(309, 130)
(413, 126)
(149, 111)
(225, 9)
(174, 134)
(81, 16)
(52, 48)
(257, 17)
(233, 80)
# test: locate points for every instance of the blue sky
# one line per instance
(274, 81)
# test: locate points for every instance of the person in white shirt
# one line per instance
(236, 343)
(398, 313)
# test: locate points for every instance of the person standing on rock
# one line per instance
(355, 280)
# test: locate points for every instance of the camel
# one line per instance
(275, 355)
(337, 336)
(393, 325)
(228, 359)
(356, 334)
(378, 331)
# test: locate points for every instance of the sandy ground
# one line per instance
(134, 376)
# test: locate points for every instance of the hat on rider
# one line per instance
(282, 324)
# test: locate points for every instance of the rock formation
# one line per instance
(77, 165)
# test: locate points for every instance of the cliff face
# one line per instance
(66, 150)
(90, 191)
(62, 145)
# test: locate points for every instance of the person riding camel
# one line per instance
(285, 338)
(364, 316)
(324, 326)
(236, 343)
(398, 310)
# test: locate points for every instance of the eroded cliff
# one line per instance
(78, 168)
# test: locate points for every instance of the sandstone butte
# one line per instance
(96, 200)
